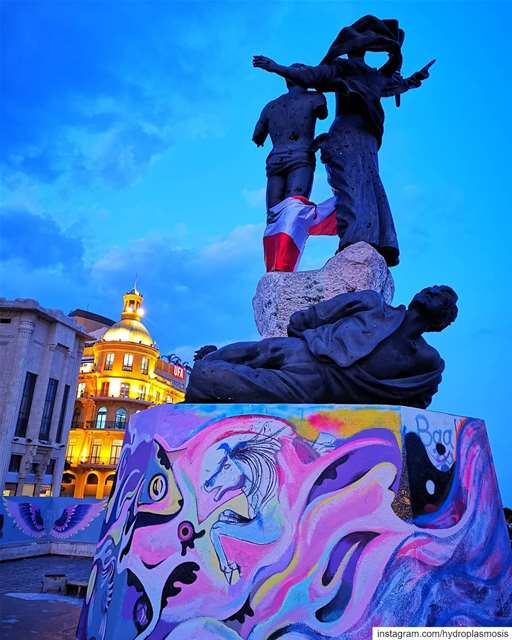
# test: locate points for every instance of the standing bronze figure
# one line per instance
(355, 136)
(290, 121)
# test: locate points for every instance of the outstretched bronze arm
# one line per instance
(320, 77)
(398, 84)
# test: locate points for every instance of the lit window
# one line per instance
(70, 452)
(101, 418)
(80, 393)
(157, 397)
(144, 365)
(142, 392)
(128, 362)
(115, 451)
(121, 416)
(95, 453)
(109, 361)
(124, 390)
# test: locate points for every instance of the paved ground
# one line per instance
(21, 618)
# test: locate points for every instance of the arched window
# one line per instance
(121, 416)
(101, 418)
(68, 485)
(91, 485)
(109, 482)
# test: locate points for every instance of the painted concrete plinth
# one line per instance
(263, 522)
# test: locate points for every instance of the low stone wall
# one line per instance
(41, 526)
(247, 522)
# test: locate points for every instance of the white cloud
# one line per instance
(254, 197)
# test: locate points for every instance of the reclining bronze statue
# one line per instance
(353, 348)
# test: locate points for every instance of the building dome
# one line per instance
(130, 328)
(128, 331)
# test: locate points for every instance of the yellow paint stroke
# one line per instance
(348, 422)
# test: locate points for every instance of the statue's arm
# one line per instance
(397, 84)
(322, 77)
(261, 130)
(329, 311)
(321, 107)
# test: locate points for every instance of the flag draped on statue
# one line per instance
(295, 218)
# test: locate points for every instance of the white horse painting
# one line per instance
(247, 466)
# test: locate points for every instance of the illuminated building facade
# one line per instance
(121, 374)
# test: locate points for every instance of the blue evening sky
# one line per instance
(126, 150)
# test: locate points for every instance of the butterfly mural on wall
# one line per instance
(36, 521)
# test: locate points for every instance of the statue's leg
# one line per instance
(217, 381)
(299, 182)
(340, 175)
(275, 190)
(362, 210)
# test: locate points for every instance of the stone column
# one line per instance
(41, 468)
(101, 485)
(25, 467)
(80, 475)
(17, 375)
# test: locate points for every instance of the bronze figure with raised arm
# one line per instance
(350, 149)
(290, 121)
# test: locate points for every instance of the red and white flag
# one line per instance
(296, 219)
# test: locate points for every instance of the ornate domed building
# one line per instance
(121, 374)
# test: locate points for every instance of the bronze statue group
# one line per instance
(353, 348)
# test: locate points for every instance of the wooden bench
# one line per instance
(76, 588)
(53, 582)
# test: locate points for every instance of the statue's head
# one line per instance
(437, 305)
(290, 83)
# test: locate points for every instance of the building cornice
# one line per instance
(52, 315)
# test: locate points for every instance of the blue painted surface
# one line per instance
(25, 520)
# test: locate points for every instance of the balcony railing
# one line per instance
(104, 426)
(98, 461)
(111, 396)
(94, 460)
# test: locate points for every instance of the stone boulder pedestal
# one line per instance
(279, 294)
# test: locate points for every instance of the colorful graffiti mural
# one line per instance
(25, 520)
(266, 522)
